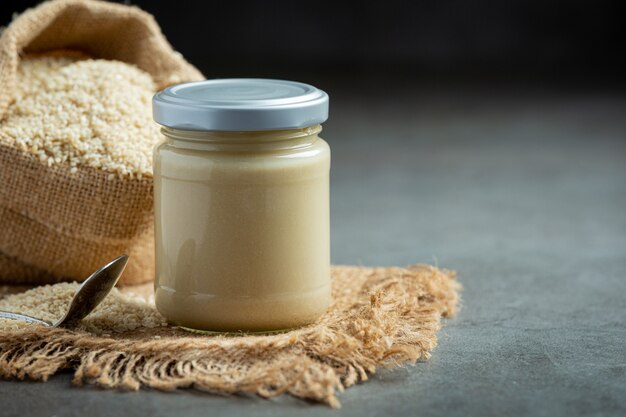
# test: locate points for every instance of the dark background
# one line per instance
(547, 42)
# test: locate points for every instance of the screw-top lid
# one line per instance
(240, 104)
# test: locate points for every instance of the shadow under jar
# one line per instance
(242, 205)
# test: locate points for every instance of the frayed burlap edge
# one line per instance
(380, 317)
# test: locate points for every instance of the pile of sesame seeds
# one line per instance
(118, 312)
(84, 113)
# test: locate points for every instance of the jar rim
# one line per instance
(240, 104)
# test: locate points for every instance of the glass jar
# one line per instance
(242, 205)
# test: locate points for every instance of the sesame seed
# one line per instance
(50, 302)
(84, 113)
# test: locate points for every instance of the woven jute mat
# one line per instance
(379, 317)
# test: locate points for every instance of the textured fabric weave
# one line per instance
(379, 317)
(58, 225)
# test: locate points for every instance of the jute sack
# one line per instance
(56, 225)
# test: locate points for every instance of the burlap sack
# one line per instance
(61, 226)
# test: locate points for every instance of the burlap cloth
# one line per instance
(58, 225)
(379, 317)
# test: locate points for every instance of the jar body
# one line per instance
(242, 229)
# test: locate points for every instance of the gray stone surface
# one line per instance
(524, 194)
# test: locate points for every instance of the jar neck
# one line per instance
(258, 141)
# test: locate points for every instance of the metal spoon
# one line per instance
(87, 297)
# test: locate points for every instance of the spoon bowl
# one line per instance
(88, 296)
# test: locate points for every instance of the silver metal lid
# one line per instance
(240, 104)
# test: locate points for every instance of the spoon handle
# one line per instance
(22, 317)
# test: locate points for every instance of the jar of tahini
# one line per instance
(241, 205)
